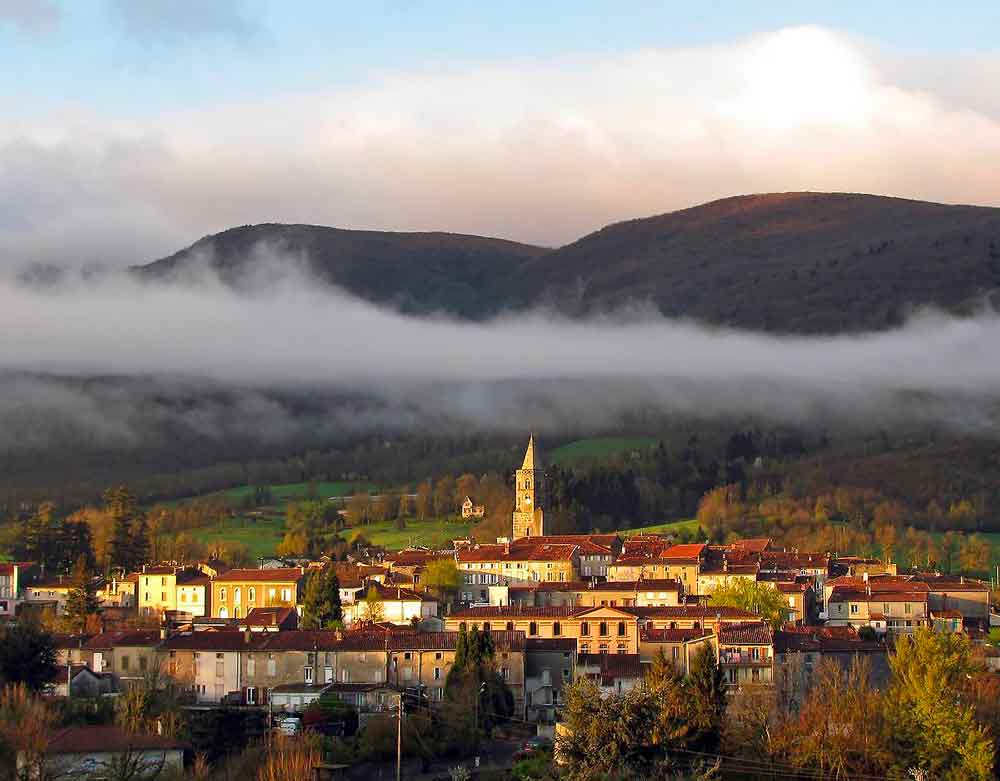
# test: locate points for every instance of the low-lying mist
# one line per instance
(109, 359)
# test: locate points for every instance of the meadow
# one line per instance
(596, 449)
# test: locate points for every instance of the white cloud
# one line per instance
(536, 150)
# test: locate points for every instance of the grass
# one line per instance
(282, 494)
(262, 534)
(674, 527)
(597, 448)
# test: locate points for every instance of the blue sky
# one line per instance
(145, 54)
(131, 128)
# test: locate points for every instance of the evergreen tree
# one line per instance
(81, 601)
(140, 543)
(706, 683)
(27, 655)
(321, 608)
(121, 506)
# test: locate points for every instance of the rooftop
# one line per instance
(275, 575)
(105, 739)
(745, 634)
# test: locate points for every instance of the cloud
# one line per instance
(539, 150)
(111, 359)
(34, 17)
(183, 20)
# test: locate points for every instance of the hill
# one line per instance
(792, 262)
(416, 273)
(789, 262)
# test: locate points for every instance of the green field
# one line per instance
(597, 448)
(262, 534)
(282, 494)
(673, 527)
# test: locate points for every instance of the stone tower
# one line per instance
(529, 495)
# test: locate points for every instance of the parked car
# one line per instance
(290, 725)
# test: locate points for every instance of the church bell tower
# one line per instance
(529, 495)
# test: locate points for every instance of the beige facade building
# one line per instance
(164, 588)
(595, 629)
(238, 591)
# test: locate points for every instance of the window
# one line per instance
(532, 628)
(622, 648)
(307, 674)
(437, 673)
(328, 674)
(251, 695)
(197, 663)
(602, 629)
(407, 673)
(438, 656)
(584, 648)
(251, 666)
(286, 595)
(585, 629)
(906, 608)
(124, 663)
(510, 626)
(345, 675)
(486, 626)
(146, 584)
(270, 593)
(505, 672)
(603, 648)
(621, 629)
(143, 663)
(145, 599)
(220, 669)
(854, 608)
(236, 594)
(222, 594)
(272, 666)
(251, 594)
(184, 597)
(163, 596)
(407, 656)
(223, 613)
(556, 629)
(163, 581)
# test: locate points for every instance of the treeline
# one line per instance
(938, 717)
(847, 522)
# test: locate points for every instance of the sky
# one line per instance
(131, 128)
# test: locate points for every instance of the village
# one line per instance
(556, 609)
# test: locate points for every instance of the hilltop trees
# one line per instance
(129, 547)
(51, 542)
(27, 655)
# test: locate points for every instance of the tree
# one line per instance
(707, 691)
(974, 554)
(293, 544)
(474, 675)
(27, 655)
(123, 510)
(81, 601)
(443, 577)
(444, 495)
(422, 503)
(933, 724)
(321, 602)
(374, 609)
(760, 598)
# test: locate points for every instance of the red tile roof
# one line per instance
(612, 667)
(104, 739)
(686, 552)
(698, 612)
(519, 552)
(276, 575)
(560, 644)
(127, 637)
(745, 634)
(822, 639)
(652, 635)
(852, 594)
(517, 611)
(756, 545)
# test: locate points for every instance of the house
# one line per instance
(722, 565)
(613, 673)
(677, 645)
(119, 592)
(129, 655)
(639, 557)
(967, 596)
(48, 592)
(596, 552)
(80, 681)
(238, 591)
(884, 603)
(470, 510)
(799, 650)
(210, 665)
(84, 752)
(12, 576)
(600, 629)
(746, 653)
(270, 619)
(523, 561)
(296, 697)
(395, 604)
(164, 589)
(588, 593)
(549, 664)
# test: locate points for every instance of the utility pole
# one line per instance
(399, 739)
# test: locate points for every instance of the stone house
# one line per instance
(129, 655)
(550, 664)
